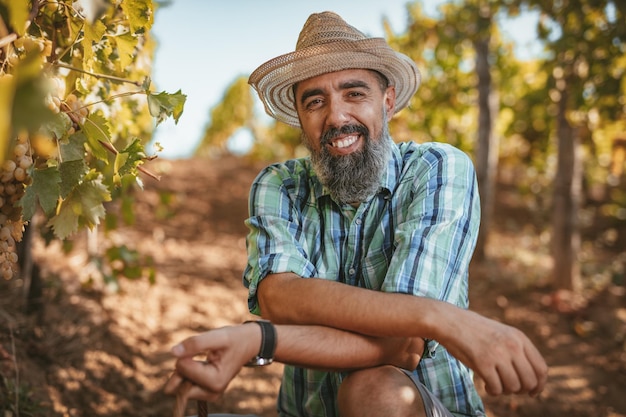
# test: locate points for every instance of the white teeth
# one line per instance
(345, 142)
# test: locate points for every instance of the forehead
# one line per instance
(337, 78)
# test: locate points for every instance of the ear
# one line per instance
(390, 101)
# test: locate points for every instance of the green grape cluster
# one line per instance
(13, 179)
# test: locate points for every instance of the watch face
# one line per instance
(259, 361)
(264, 361)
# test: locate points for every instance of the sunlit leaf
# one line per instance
(128, 159)
(163, 105)
(126, 44)
(92, 195)
(83, 206)
(93, 35)
(140, 14)
(65, 223)
(96, 129)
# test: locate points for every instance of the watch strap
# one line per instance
(268, 343)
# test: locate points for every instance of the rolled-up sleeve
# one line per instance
(275, 232)
(436, 234)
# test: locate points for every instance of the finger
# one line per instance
(189, 347)
(199, 393)
(200, 344)
(206, 374)
(493, 384)
(531, 369)
(417, 345)
(540, 368)
(526, 373)
(188, 391)
(509, 378)
(173, 384)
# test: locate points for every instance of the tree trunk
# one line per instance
(567, 194)
(487, 149)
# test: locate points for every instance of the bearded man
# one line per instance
(358, 255)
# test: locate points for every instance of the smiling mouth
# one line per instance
(345, 142)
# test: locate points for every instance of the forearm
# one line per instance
(325, 348)
(227, 349)
(348, 308)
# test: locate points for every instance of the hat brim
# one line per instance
(274, 79)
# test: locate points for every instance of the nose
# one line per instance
(338, 113)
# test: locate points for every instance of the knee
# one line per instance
(357, 386)
(378, 391)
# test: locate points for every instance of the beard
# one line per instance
(354, 177)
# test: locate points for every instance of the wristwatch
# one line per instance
(268, 344)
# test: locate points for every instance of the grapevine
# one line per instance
(67, 71)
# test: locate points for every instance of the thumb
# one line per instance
(189, 347)
(178, 350)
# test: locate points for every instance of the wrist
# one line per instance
(445, 322)
(267, 346)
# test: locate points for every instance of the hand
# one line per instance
(403, 352)
(501, 355)
(227, 350)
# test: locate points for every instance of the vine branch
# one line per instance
(114, 151)
(96, 75)
(106, 145)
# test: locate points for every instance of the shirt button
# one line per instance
(358, 220)
(351, 271)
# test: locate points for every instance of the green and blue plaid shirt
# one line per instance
(415, 236)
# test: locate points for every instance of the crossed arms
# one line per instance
(501, 355)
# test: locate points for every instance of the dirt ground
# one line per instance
(93, 351)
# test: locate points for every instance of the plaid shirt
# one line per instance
(415, 236)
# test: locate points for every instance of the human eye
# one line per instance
(313, 103)
(356, 93)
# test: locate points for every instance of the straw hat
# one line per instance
(327, 44)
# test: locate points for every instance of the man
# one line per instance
(359, 255)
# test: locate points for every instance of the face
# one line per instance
(344, 119)
(338, 99)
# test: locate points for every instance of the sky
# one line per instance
(204, 45)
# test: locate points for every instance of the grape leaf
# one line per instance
(163, 105)
(91, 195)
(128, 159)
(83, 206)
(72, 172)
(96, 129)
(74, 148)
(93, 35)
(102, 57)
(126, 44)
(44, 189)
(140, 14)
(64, 223)
(58, 126)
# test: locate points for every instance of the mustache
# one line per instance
(333, 132)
